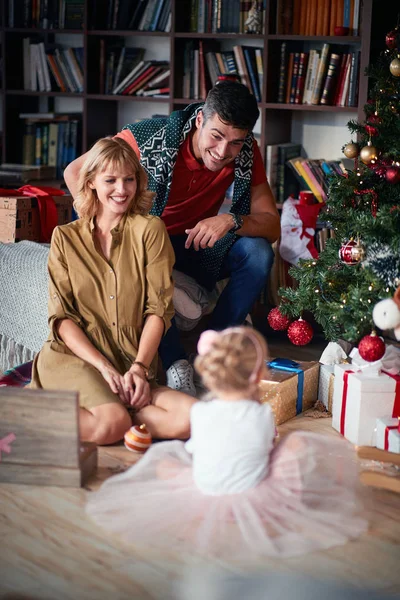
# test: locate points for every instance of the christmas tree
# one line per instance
(361, 263)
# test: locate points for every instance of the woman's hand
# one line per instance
(115, 381)
(136, 387)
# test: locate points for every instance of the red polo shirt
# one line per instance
(196, 193)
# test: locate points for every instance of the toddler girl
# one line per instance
(227, 492)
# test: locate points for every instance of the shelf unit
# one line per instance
(100, 112)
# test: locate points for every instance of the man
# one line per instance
(191, 158)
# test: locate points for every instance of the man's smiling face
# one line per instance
(215, 143)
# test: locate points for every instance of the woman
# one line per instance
(111, 302)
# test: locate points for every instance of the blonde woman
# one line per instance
(110, 303)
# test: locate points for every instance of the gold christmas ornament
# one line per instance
(351, 150)
(394, 67)
(368, 153)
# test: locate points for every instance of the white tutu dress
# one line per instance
(228, 494)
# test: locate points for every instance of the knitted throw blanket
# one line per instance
(23, 301)
(159, 141)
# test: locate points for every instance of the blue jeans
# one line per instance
(247, 264)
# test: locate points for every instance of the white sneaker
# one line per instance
(180, 377)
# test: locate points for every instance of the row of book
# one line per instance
(124, 70)
(226, 16)
(289, 171)
(51, 139)
(139, 15)
(318, 17)
(51, 67)
(202, 68)
(319, 77)
(46, 14)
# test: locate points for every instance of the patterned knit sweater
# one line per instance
(159, 141)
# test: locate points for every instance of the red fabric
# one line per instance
(344, 400)
(387, 429)
(207, 189)
(46, 205)
(308, 213)
(396, 405)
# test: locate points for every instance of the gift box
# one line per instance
(359, 398)
(325, 385)
(291, 387)
(26, 217)
(388, 434)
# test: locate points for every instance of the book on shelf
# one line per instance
(300, 80)
(344, 82)
(271, 167)
(330, 79)
(322, 68)
(289, 77)
(21, 173)
(250, 58)
(310, 76)
(287, 184)
(295, 71)
(260, 69)
(354, 76)
(241, 64)
(282, 72)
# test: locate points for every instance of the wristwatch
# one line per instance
(237, 221)
(148, 372)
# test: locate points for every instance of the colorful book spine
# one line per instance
(331, 79)
(282, 73)
(296, 62)
(322, 67)
(301, 78)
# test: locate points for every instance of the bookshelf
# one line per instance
(101, 113)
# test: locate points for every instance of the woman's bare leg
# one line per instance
(104, 424)
(168, 416)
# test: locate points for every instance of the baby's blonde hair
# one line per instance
(114, 153)
(232, 360)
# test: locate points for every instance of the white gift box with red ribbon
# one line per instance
(359, 399)
(388, 434)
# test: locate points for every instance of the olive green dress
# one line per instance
(108, 299)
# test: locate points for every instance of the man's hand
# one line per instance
(208, 231)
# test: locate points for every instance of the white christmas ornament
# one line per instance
(386, 315)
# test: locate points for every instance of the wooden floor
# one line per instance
(51, 551)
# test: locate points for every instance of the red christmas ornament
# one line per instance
(352, 252)
(371, 347)
(372, 131)
(391, 39)
(392, 175)
(374, 119)
(300, 332)
(277, 320)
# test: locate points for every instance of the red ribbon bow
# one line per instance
(47, 208)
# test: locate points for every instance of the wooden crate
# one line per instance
(39, 439)
(19, 217)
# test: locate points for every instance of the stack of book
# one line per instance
(289, 171)
(142, 15)
(46, 14)
(203, 66)
(224, 16)
(16, 175)
(51, 67)
(318, 17)
(318, 77)
(51, 139)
